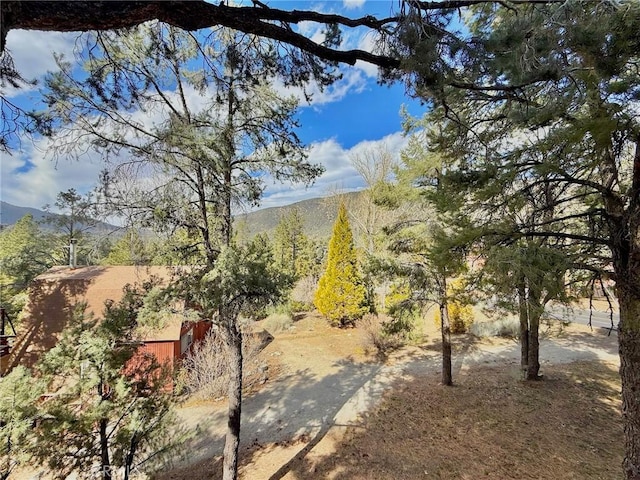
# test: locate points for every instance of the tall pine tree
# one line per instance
(341, 292)
(217, 135)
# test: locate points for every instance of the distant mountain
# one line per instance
(319, 214)
(10, 214)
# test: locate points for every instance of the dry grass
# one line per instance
(491, 426)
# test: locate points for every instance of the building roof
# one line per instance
(54, 295)
(170, 331)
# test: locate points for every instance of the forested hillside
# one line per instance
(10, 214)
(318, 215)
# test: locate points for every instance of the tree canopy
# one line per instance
(540, 136)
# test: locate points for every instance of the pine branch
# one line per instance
(259, 20)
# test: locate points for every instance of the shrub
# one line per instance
(460, 317)
(277, 322)
(460, 311)
(377, 337)
(302, 294)
(508, 327)
(205, 372)
(300, 306)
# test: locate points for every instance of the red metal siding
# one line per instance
(200, 330)
(163, 351)
(168, 352)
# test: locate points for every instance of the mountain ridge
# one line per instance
(318, 214)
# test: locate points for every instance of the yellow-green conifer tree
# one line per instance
(341, 292)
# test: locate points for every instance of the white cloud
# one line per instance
(352, 4)
(339, 175)
(29, 178)
(353, 81)
(366, 42)
(32, 53)
(39, 184)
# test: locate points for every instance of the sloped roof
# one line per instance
(169, 332)
(54, 295)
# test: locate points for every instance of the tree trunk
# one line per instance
(629, 342)
(628, 291)
(533, 362)
(523, 312)
(104, 450)
(535, 311)
(447, 378)
(233, 343)
(131, 454)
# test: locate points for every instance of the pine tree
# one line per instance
(100, 416)
(129, 250)
(341, 293)
(25, 252)
(208, 151)
(74, 223)
(19, 393)
(292, 254)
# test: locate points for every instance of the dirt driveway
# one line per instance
(326, 380)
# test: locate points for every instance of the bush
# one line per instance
(376, 336)
(460, 317)
(460, 311)
(296, 306)
(277, 322)
(205, 372)
(508, 327)
(302, 294)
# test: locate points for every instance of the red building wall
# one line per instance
(168, 352)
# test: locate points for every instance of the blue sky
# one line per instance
(354, 114)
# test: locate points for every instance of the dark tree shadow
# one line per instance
(495, 426)
(300, 405)
(50, 306)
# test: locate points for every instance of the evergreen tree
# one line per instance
(25, 252)
(130, 249)
(426, 257)
(547, 103)
(341, 294)
(522, 270)
(213, 140)
(108, 410)
(19, 394)
(73, 223)
(426, 246)
(291, 247)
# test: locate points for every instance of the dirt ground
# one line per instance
(489, 425)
